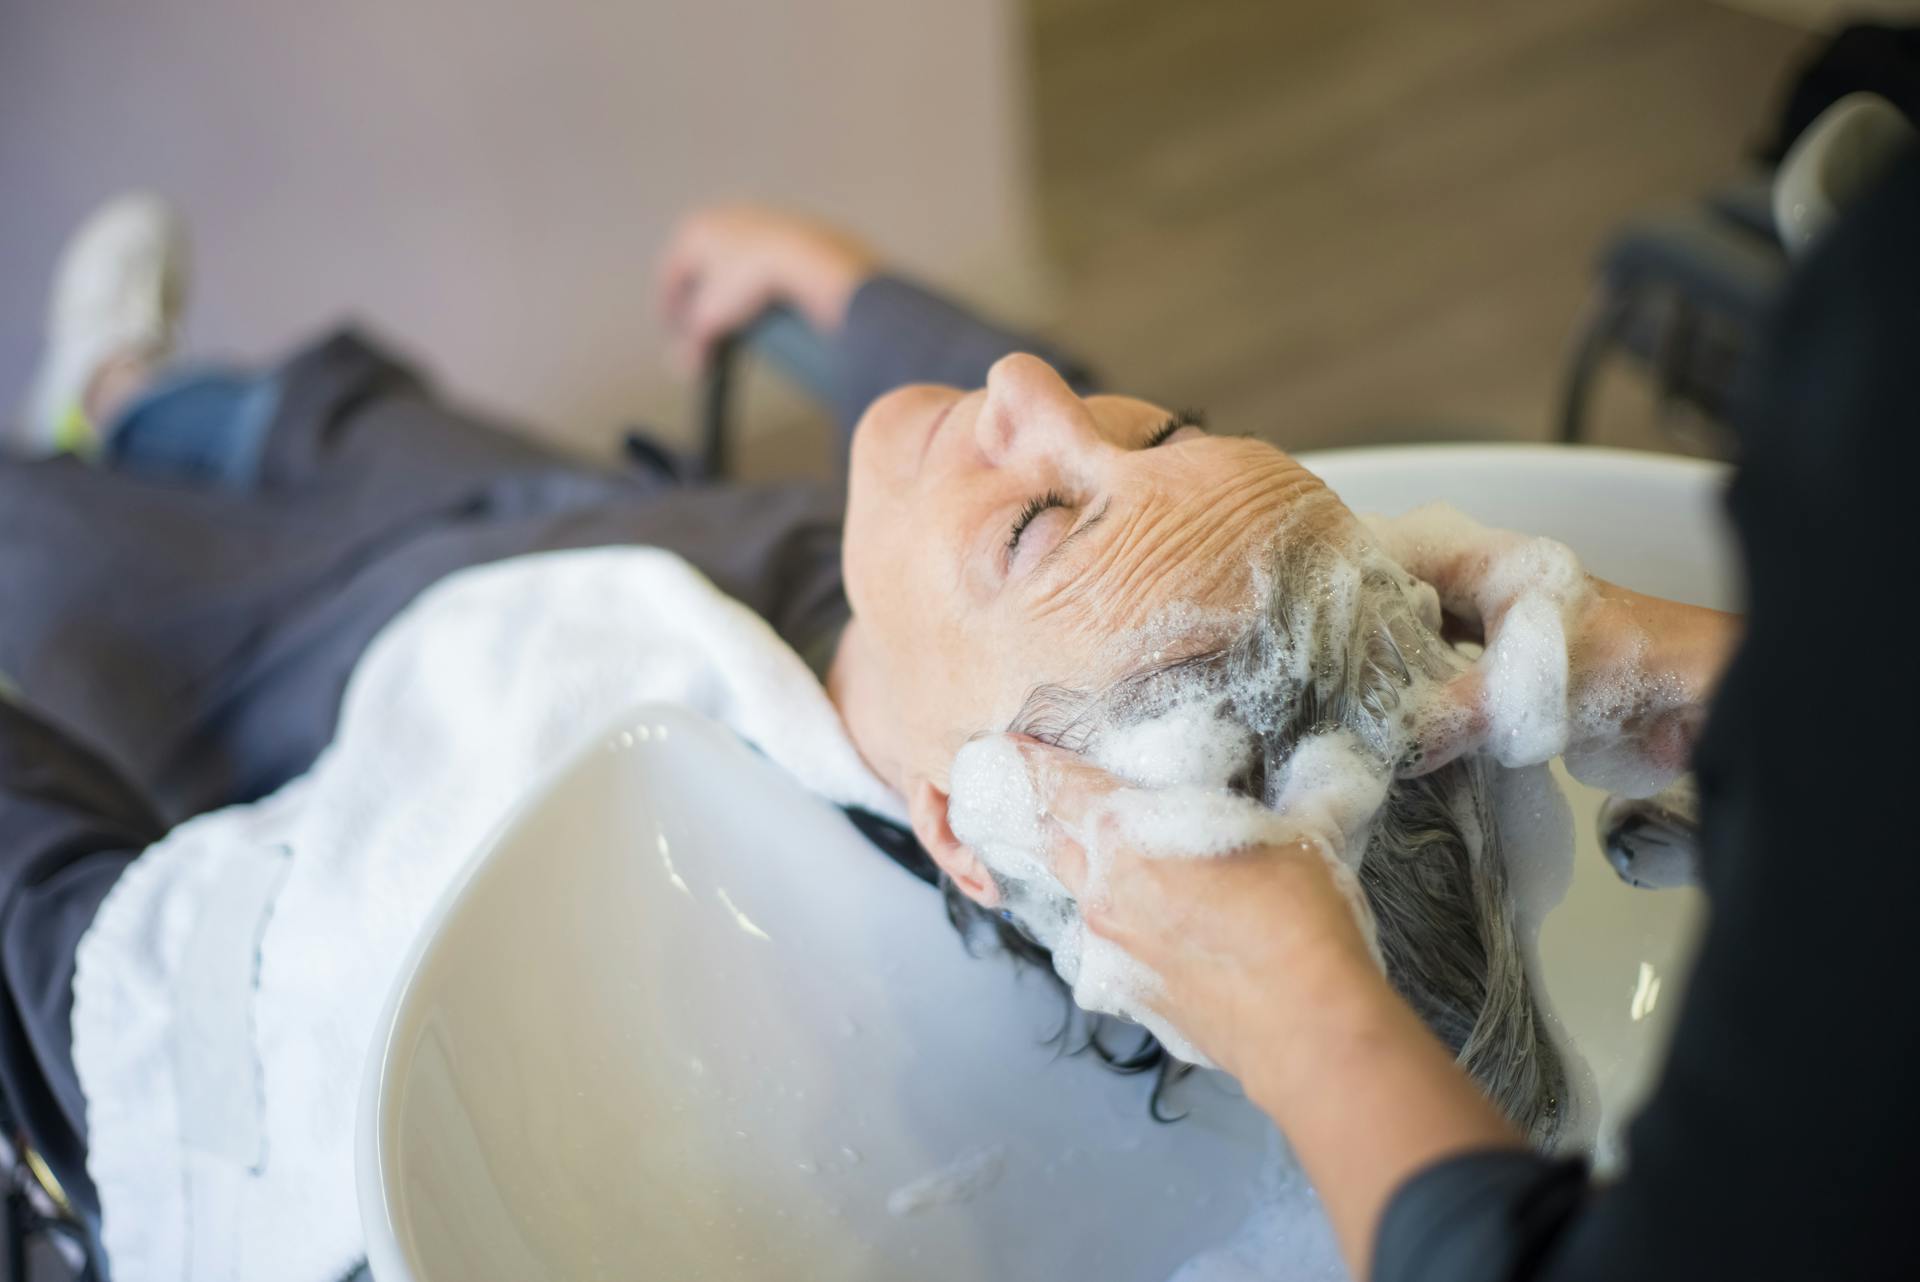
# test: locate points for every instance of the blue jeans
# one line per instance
(203, 425)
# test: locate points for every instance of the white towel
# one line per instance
(220, 1099)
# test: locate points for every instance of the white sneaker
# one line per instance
(117, 292)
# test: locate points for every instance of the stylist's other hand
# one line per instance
(726, 264)
(1265, 967)
(1245, 943)
(1613, 681)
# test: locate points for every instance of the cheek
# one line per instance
(878, 495)
(881, 557)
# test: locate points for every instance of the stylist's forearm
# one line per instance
(1690, 645)
(1367, 1097)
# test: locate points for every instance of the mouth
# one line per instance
(933, 430)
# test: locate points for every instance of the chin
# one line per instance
(894, 412)
(888, 436)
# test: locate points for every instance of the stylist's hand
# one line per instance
(1245, 944)
(1266, 967)
(725, 265)
(1574, 666)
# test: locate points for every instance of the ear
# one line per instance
(927, 809)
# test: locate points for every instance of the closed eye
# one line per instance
(1051, 499)
(1173, 423)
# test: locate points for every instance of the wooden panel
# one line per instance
(1370, 221)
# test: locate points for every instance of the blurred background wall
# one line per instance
(488, 180)
(1328, 222)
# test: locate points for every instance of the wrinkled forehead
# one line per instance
(1217, 591)
(1300, 569)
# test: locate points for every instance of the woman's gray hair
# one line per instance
(1337, 642)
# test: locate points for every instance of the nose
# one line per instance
(1030, 410)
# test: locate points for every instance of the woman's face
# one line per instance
(1004, 539)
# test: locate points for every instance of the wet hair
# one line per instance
(1336, 644)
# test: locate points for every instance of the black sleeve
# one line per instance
(69, 825)
(1783, 1136)
(897, 332)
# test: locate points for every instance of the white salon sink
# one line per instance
(678, 1020)
(683, 1022)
